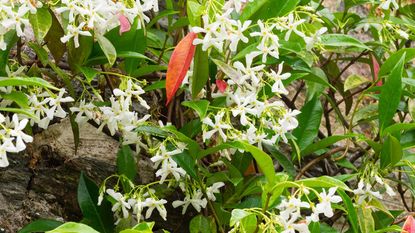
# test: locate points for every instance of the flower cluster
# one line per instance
(42, 107)
(288, 216)
(119, 116)
(136, 203)
(84, 17)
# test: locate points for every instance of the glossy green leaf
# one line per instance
(200, 224)
(194, 11)
(89, 73)
(126, 164)
(323, 182)
(40, 225)
(200, 106)
(148, 69)
(309, 123)
(18, 97)
(10, 38)
(41, 23)
(23, 81)
(389, 65)
(107, 48)
(98, 217)
(351, 211)
(200, 71)
(366, 222)
(391, 152)
(391, 95)
(52, 38)
(398, 127)
(341, 40)
(354, 81)
(187, 162)
(72, 227)
(324, 143)
(282, 159)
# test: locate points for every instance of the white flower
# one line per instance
(292, 26)
(218, 126)
(7, 146)
(237, 34)
(210, 191)
(278, 86)
(74, 32)
(362, 193)
(15, 20)
(249, 73)
(164, 156)
(137, 206)
(288, 120)
(170, 168)
(385, 4)
(85, 112)
(210, 38)
(291, 207)
(18, 133)
(55, 104)
(315, 38)
(151, 203)
(389, 190)
(325, 202)
(290, 226)
(196, 201)
(121, 203)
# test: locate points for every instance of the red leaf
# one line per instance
(409, 225)
(376, 69)
(125, 25)
(222, 85)
(179, 64)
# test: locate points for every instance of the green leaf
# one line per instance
(77, 57)
(18, 97)
(251, 8)
(390, 95)
(10, 38)
(200, 106)
(200, 71)
(152, 130)
(21, 81)
(351, 211)
(40, 225)
(40, 52)
(194, 12)
(354, 81)
(73, 227)
(148, 69)
(139, 45)
(237, 215)
(98, 217)
(282, 159)
(394, 59)
(227, 69)
(158, 85)
(200, 224)
(366, 222)
(398, 127)
(125, 162)
(323, 182)
(161, 15)
(52, 38)
(187, 162)
(391, 152)
(41, 23)
(108, 49)
(124, 54)
(19, 111)
(324, 143)
(341, 40)
(89, 73)
(309, 122)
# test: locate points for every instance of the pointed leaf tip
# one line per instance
(179, 65)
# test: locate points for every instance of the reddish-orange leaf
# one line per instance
(409, 225)
(179, 64)
(376, 69)
(222, 85)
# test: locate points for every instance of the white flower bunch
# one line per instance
(44, 105)
(365, 191)
(289, 216)
(164, 161)
(124, 205)
(12, 137)
(84, 16)
(119, 116)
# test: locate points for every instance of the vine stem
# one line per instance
(264, 209)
